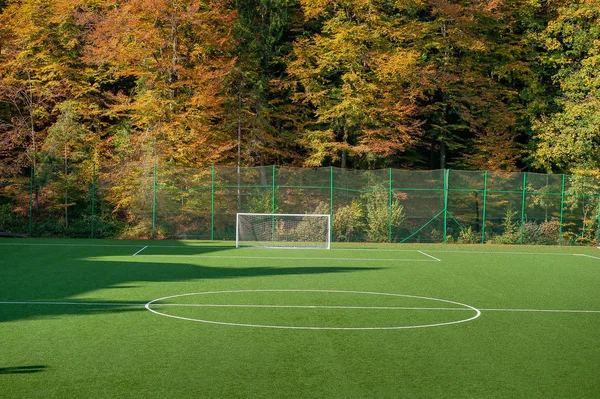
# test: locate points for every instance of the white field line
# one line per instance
(200, 256)
(139, 251)
(41, 244)
(499, 252)
(474, 251)
(543, 310)
(295, 306)
(218, 305)
(370, 307)
(32, 244)
(588, 256)
(196, 247)
(70, 303)
(432, 257)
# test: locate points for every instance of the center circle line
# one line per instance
(227, 305)
(149, 305)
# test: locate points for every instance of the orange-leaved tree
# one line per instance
(163, 65)
(41, 67)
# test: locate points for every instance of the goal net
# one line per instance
(282, 230)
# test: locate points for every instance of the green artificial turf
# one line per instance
(371, 321)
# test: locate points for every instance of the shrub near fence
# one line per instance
(149, 201)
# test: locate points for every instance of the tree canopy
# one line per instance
(471, 84)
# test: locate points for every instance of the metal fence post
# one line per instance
(154, 205)
(93, 200)
(483, 216)
(273, 202)
(446, 176)
(391, 203)
(523, 198)
(212, 202)
(598, 231)
(273, 188)
(31, 179)
(331, 203)
(562, 205)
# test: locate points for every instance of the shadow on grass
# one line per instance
(56, 274)
(22, 370)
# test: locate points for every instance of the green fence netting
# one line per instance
(388, 205)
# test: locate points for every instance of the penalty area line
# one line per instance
(139, 251)
(432, 257)
(587, 256)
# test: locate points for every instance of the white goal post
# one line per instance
(280, 230)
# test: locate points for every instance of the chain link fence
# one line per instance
(437, 206)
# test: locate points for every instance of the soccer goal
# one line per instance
(275, 230)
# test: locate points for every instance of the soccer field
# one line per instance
(179, 319)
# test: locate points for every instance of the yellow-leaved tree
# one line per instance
(359, 81)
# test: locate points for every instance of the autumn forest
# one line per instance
(361, 84)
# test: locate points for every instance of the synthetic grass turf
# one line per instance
(112, 347)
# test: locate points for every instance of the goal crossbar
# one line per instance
(283, 230)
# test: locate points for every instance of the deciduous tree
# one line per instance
(40, 68)
(360, 83)
(569, 139)
(163, 65)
